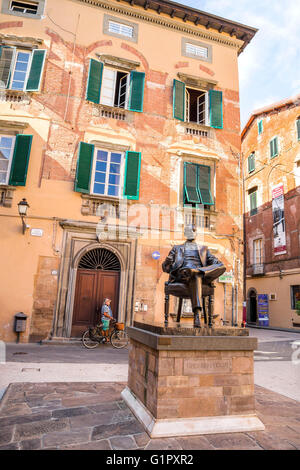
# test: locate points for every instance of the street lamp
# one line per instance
(22, 207)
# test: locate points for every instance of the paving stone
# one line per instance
(18, 409)
(123, 443)
(90, 420)
(31, 444)
(6, 434)
(163, 444)
(194, 443)
(66, 412)
(233, 441)
(142, 439)
(109, 406)
(13, 446)
(270, 442)
(122, 405)
(118, 429)
(58, 439)
(30, 430)
(96, 445)
(10, 420)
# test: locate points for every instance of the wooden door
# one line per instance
(92, 286)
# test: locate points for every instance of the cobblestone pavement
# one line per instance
(93, 416)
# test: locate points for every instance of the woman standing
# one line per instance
(106, 317)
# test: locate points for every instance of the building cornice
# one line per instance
(197, 19)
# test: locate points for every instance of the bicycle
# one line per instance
(118, 338)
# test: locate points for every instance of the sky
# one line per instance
(269, 67)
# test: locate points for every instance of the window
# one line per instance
(258, 252)
(121, 29)
(113, 87)
(274, 147)
(7, 143)
(251, 162)
(196, 49)
(298, 128)
(104, 172)
(260, 126)
(197, 185)
(14, 158)
(20, 69)
(295, 296)
(253, 201)
(107, 173)
(198, 106)
(196, 102)
(24, 7)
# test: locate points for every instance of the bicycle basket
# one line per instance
(120, 326)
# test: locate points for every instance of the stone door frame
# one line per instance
(78, 239)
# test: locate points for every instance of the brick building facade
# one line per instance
(271, 151)
(114, 113)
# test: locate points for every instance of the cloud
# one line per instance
(269, 67)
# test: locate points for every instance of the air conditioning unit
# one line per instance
(272, 296)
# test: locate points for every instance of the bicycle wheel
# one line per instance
(88, 342)
(119, 339)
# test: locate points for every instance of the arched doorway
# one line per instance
(98, 276)
(252, 306)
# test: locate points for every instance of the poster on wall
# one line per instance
(278, 220)
(263, 309)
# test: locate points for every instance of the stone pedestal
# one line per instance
(186, 381)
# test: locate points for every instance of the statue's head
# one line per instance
(190, 232)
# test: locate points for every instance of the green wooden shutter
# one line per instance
(94, 81)
(6, 63)
(298, 128)
(132, 175)
(84, 168)
(191, 183)
(19, 165)
(36, 70)
(204, 185)
(136, 96)
(178, 100)
(260, 126)
(216, 109)
(251, 162)
(253, 203)
(273, 147)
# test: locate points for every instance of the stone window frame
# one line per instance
(39, 15)
(198, 160)
(201, 84)
(185, 41)
(107, 18)
(88, 200)
(9, 128)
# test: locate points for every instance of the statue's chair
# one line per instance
(181, 291)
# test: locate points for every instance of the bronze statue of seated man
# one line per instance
(192, 264)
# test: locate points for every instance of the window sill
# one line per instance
(192, 128)
(15, 96)
(203, 219)
(6, 195)
(111, 112)
(92, 202)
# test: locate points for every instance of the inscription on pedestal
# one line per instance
(195, 367)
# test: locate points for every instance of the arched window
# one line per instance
(100, 258)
